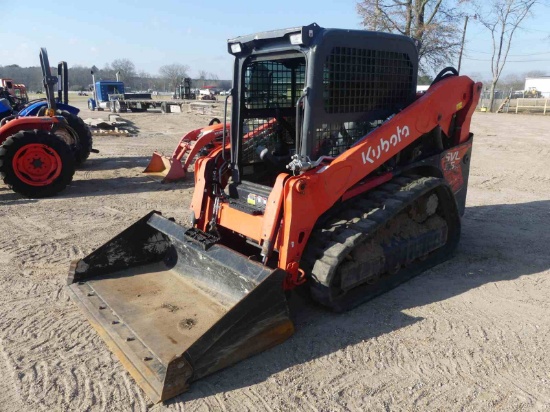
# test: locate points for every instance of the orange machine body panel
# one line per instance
(296, 202)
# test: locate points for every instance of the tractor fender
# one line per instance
(26, 123)
(33, 109)
(67, 108)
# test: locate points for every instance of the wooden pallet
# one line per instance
(115, 132)
(504, 103)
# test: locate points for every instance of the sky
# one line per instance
(154, 33)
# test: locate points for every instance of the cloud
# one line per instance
(73, 41)
(23, 46)
(94, 49)
(189, 30)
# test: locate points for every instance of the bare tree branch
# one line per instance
(433, 22)
(502, 21)
(174, 73)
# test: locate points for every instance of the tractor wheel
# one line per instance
(83, 147)
(36, 163)
(91, 106)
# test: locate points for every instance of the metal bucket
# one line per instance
(169, 168)
(174, 309)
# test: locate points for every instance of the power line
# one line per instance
(531, 29)
(510, 55)
(509, 61)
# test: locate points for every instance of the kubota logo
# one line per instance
(374, 152)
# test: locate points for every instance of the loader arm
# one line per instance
(305, 197)
(308, 196)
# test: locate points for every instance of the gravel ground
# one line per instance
(470, 334)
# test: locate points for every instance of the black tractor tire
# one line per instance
(18, 141)
(215, 120)
(91, 106)
(83, 147)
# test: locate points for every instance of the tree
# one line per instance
(125, 68)
(513, 81)
(433, 23)
(502, 20)
(203, 74)
(536, 73)
(144, 79)
(174, 74)
(425, 80)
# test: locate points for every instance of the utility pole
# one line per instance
(462, 43)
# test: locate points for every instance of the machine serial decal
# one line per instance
(384, 145)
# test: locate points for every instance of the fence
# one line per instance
(532, 105)
(496, 104)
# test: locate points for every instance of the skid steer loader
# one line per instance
(355, 186)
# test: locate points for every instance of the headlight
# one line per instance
(296, 38)
(236, 48)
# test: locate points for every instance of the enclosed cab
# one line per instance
(355, 80)
(105, 92)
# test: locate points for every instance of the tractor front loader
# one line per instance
(335, 177)
(193, 143)
(200, 142)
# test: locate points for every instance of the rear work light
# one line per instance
(296, 38)
(236, 48)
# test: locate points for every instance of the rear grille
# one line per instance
(360, 80)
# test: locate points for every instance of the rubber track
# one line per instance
(353, 223)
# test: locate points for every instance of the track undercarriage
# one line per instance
(380, 240)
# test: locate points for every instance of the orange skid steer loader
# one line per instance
(354, 185)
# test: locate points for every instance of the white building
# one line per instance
(542, 84)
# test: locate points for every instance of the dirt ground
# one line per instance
(470, 334)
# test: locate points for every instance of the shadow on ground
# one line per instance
(107, 186)
(507, 241)
(120, 185)
(112, 163)
(128, 125)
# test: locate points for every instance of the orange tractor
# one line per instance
(349, 185)
(17, 91)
